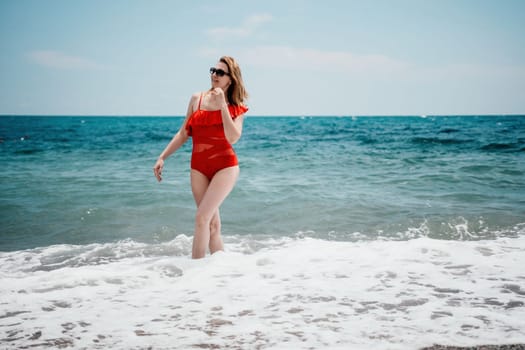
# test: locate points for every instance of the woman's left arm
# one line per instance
(232, 127)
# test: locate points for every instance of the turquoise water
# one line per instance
(84, 180)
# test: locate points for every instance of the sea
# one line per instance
(394, 232)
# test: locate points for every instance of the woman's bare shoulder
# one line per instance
(194, 100)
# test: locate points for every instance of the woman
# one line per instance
(214, 121)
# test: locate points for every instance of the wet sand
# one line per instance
(479, 347)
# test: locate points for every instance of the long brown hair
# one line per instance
(236, 93)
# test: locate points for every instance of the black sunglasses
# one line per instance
(218, 71)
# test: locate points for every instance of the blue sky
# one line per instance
(298, 57)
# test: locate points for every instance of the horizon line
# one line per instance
(268, 116)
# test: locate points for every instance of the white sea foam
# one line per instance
(275, 294)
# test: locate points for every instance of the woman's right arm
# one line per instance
(176, 142)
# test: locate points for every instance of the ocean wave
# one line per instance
(61, 256)
(448, 131)
(516, 147)
(477, 169)
(158, 136)
(30, 151)
(71, 256)
(438, 141)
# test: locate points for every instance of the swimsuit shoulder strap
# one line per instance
(200, 100)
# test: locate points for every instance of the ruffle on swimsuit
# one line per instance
(208, 118)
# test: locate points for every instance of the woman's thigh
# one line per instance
(199, 185)
(217, 190)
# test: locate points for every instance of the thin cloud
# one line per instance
(319, 60)
(60, 60)
(246, 29)
(487, 77)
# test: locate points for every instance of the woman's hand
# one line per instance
(217, 99)
(157, 169)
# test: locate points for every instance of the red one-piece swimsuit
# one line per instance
(211, 151)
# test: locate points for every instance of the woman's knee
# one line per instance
(215, 225)
(202, 219)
